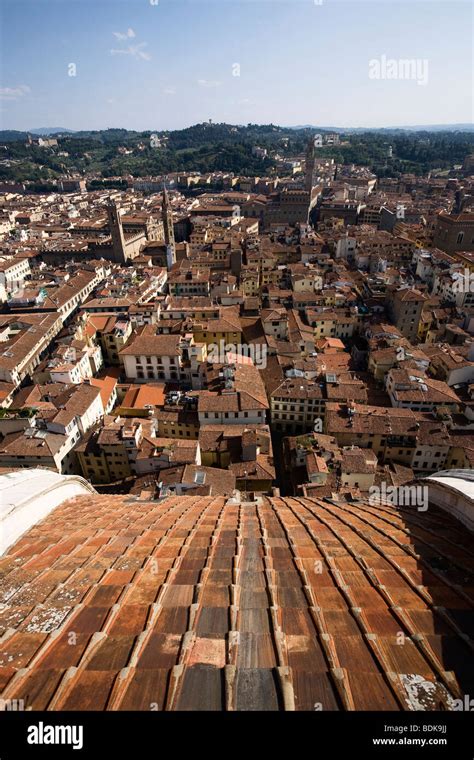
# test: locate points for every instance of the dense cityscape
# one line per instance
(309, 331)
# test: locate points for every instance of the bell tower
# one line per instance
(167, 215)
(116, 232)
(309, 166)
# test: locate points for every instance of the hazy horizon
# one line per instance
(467, 126)
(168, 64)
(282, 126)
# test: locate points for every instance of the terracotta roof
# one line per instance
(76, 403)
(152, 345)
(106, 385)
(247, 393)
(371, 419)
(298, 388)
(31, 338)
(262, 468)
(138, 396)
(41, 444)
(99, 321)
(198, 603)
(410, 294)
(358, 461)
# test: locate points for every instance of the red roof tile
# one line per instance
(198, 603)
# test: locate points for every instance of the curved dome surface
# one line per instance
(27, 496)
(453, 490)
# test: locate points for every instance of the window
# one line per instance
(460, 238)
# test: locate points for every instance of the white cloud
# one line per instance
(129, 34)
(13, 93)
(136, 51)
(208, 83)
(169, 91)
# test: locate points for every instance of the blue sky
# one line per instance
(169, 65)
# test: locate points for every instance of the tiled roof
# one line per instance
(154, 345)
(41, 444)
(78, 403)
(200, 603)
(139, 395)
(31, 338)
(106, 385)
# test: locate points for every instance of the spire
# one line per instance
(168, 228)
(116, 233)
(309, 165)
(309, 174)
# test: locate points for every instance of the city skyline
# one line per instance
(166, 66)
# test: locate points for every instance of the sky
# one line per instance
(167, 64)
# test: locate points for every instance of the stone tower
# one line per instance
(309, 166)
(116, 232)
(168, 229)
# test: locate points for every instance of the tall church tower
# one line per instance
(116, 232)
(168, 229)
(309, 166)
